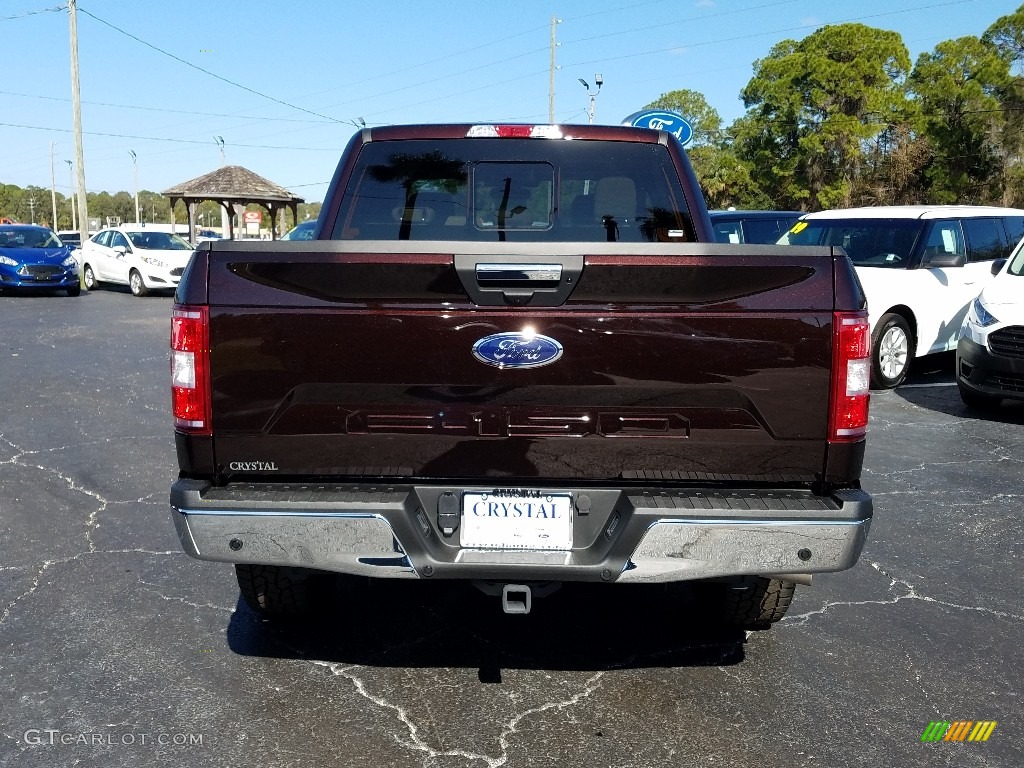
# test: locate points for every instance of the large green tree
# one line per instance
(814, 105)
(724, 178)
(1006, 36)
(958, 86)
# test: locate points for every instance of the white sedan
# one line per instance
(143, 258)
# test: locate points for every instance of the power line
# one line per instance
(172, 111)
(816, 25)
(162, 138)
(33, 13)
(206, 71)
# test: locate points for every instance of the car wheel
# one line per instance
(892, 350)
(282, 592)
(751, 602)
(74, 290)
(91, 283)
(975, 400)
(136, 283)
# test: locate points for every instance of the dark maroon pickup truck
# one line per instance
(514, 355)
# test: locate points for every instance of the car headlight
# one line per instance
(8, 261)
(981, 316)
(153, 261)
(70, 261)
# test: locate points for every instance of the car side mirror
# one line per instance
(946, 260)
(997, 266)
(120, 249)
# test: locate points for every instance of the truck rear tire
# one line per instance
(754, 602)
(281, 592)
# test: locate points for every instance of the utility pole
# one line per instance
(76, 106)
(71, 193)
(53, 192)
(551, 73)
(32, 210)
(135, 173)
(225, 222)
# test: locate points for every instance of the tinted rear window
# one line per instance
(493, 190)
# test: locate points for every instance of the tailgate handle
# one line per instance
(518, 274)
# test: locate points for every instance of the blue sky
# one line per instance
(284, 83)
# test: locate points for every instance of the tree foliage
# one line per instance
(812, 106)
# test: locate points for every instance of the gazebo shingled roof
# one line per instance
(232, 184)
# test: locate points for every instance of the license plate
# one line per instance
(517, 521)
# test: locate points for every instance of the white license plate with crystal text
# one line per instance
(517, 521)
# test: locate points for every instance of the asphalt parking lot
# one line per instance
(118, 650)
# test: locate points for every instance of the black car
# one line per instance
(752, 226)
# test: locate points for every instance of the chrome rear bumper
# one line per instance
(629, 536)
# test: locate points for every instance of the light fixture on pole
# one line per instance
(135, 174)
(219, 140)
(598, 81)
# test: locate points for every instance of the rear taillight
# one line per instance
(851, 376)
(190, 369)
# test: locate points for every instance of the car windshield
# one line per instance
(1016, 267)
(158, 241)
(28, 237)
(868, 242)
(302, 232)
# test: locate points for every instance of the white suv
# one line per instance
(921, 267)
(143, 258)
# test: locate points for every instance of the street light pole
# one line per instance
(135, 173)
(598, 81)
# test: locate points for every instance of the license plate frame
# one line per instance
(518, 520)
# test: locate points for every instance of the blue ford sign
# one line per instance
(660, 120)
(517, 350)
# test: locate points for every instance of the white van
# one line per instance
(921, 267)
(990, 353)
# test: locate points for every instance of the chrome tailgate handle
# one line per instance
(520, 274)
(535, 278)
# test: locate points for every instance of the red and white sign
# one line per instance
(252, 217)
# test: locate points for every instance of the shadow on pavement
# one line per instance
(581, 627)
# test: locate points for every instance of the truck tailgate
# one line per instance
(681, 362)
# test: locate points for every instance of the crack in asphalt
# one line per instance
(154, 589)
(92, 520)
(65, 560)
(911, 594)
(416, 743)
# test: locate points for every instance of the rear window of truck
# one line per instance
(516, 190)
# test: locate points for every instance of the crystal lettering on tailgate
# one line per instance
(252, 466)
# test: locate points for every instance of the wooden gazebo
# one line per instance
(233, 185)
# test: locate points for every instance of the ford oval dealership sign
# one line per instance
(660, 120)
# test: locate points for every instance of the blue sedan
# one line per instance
(33, 257)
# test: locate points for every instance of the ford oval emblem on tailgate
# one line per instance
(517, 350)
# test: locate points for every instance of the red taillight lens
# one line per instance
(851, 376)
(190, 369)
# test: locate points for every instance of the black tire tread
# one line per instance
(279, 592)
(755, 602)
